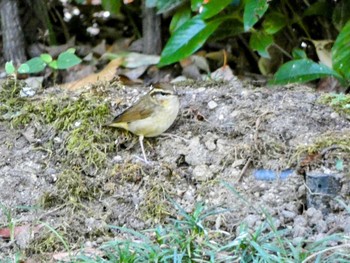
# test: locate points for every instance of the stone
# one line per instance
(202, 173)
(212, 105)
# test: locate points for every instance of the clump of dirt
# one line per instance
(86, 176)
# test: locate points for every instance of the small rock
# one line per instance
(288, 214)
(299, 231)
(24, 236)
(212, 105)
(189, 195)
(215, 168)
(202, 173)
(321, 226)
(300, 221)
(210, 144)
(314, 215)
(251, 220)
(334, 115)
(276, 223)
(117, 159)
(89, 244)
(27, 92)
(57, 140)
(197, 153)
(346, 225)
(297, 241)
(99, 240)
(51, 171)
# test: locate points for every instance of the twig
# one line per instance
(244, 170)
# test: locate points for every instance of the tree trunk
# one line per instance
(151, 30)
(12, 34)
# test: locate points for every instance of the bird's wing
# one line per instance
(138, 111)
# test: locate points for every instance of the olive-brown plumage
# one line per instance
(152, 115)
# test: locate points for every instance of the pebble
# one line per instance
(334, 115)
(202, 173)
(197, 153)
(299, 231)
(322, 226)
(210, 144)
(314, 215)
(288, 214)
(117, 159)
(346, 225)
(212, 105)
(51, 171)
(251, 220)
(189, 195)
(300, 221)
(297, 241)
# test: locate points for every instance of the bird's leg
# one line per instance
(142, 148)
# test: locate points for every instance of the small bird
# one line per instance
(152, 115)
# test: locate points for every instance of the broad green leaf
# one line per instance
(46, 58)
(112, 6)
(212, 8)
(298, 53)
(67, 59)
(302, 70)
(182, 15)
(187, 39)
(70, 50)
(260, 41)
(166, 5)
(274, 22)
(341, 52)
(23, 69)
(35, 65)
(196, 4)
(253, 11)
(321, 7)
(229, 28)
(53, 64)
(9, 68)
(341, 14)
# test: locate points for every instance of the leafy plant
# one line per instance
(190, 33)
(65, 60)
(304, 69)
(279, 25)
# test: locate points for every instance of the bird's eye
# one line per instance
(161, 93)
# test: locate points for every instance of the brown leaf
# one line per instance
(66, 256)
(323, 50)
(107, 74)
(6, 231)
(223, 73)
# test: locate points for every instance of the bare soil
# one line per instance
(222, 136)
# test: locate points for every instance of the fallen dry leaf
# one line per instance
(223, 73)
(133, 74)
(323, 50)
(67, 256)
(107, 74)
(6, 231)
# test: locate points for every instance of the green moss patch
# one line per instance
(340, 102)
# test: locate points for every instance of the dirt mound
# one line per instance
(223, 135)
